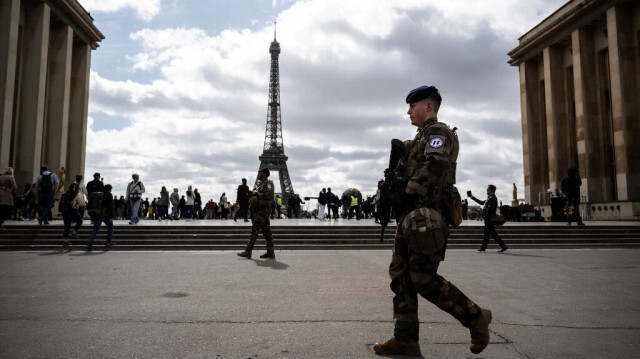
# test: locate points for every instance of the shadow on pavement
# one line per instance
(61, 251)
(522, 255)
(271, 263)
(396, 356)
(92, 253)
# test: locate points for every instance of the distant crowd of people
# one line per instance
(37, 201)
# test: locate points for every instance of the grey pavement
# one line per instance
(309, 304)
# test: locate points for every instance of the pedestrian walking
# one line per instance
(46, 184)
(489, 212)
(69, 207)
(262, 201)
(106, 217)
(135, 189)
(421, 236)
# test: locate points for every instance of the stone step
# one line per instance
(98, 247)
(199, 237)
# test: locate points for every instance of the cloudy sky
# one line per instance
(179, 88)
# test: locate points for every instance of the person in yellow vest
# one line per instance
(354, 207)
(279, 205)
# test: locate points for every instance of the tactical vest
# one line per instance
(265, 195)
(417, 151)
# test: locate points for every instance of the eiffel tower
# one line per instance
(273, 156)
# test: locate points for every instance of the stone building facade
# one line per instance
(580, 91)
(45, 57)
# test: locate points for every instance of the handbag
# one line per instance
(498, 220)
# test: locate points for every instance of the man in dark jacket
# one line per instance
(243, 200)
(571, 189)
(332, 202)
(489, 211)
(322, 202)
(96, 184)
(295, 204)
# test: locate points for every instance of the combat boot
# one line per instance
(269, 254)
(245, 254)
(394, 346)
(479, 329)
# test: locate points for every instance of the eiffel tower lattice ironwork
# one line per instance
(273, 156)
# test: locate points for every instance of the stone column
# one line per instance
(58, 91)
(624, 102)
(533, 149)
(78, 109)
(557, 120)
(9, 24)
(32, 91)
(590, 150)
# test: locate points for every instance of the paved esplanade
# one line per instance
(309, 304)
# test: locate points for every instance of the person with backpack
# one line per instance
(95, 185)
(28, 203)
(83, 197)
(135, 189)
(333, 202)
(46, 184)
(68, 207)
(104, 215)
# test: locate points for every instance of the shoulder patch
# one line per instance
(436, 142)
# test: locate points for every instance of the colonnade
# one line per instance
(45, 59)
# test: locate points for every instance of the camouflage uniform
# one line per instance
(264, 208)
(429, 165)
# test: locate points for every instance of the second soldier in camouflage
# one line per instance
(262, 202)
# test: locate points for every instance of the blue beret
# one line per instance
(265, 170)
(422, 92)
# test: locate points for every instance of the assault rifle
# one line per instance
(392, 189)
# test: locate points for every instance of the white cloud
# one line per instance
(199, 116)
(145, 9)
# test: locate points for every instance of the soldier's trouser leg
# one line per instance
(413, 273)
(268, 237)
(256, 227)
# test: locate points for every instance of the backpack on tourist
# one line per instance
(66, 203)
(46, 183)
(95, 204)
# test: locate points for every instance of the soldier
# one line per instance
(261, 201)
(421, 236)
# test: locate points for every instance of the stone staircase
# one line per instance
(308, 237)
